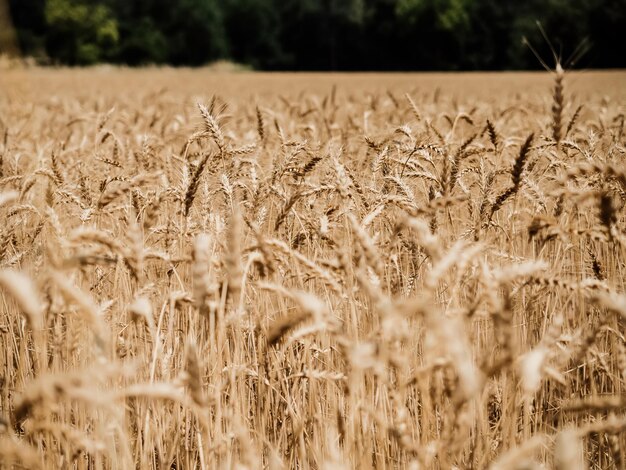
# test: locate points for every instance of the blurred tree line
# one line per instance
(319, 34)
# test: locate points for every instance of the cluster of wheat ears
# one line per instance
(391, 279)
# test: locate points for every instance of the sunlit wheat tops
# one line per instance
(263, 271)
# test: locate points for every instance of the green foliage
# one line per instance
(79, 32)
(320, 34)
(449, 15)
(195, 32)
(144, 44)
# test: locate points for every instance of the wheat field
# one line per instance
(243, 270)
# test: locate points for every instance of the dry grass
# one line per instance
(403, 271)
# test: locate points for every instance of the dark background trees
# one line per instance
(320, 34)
